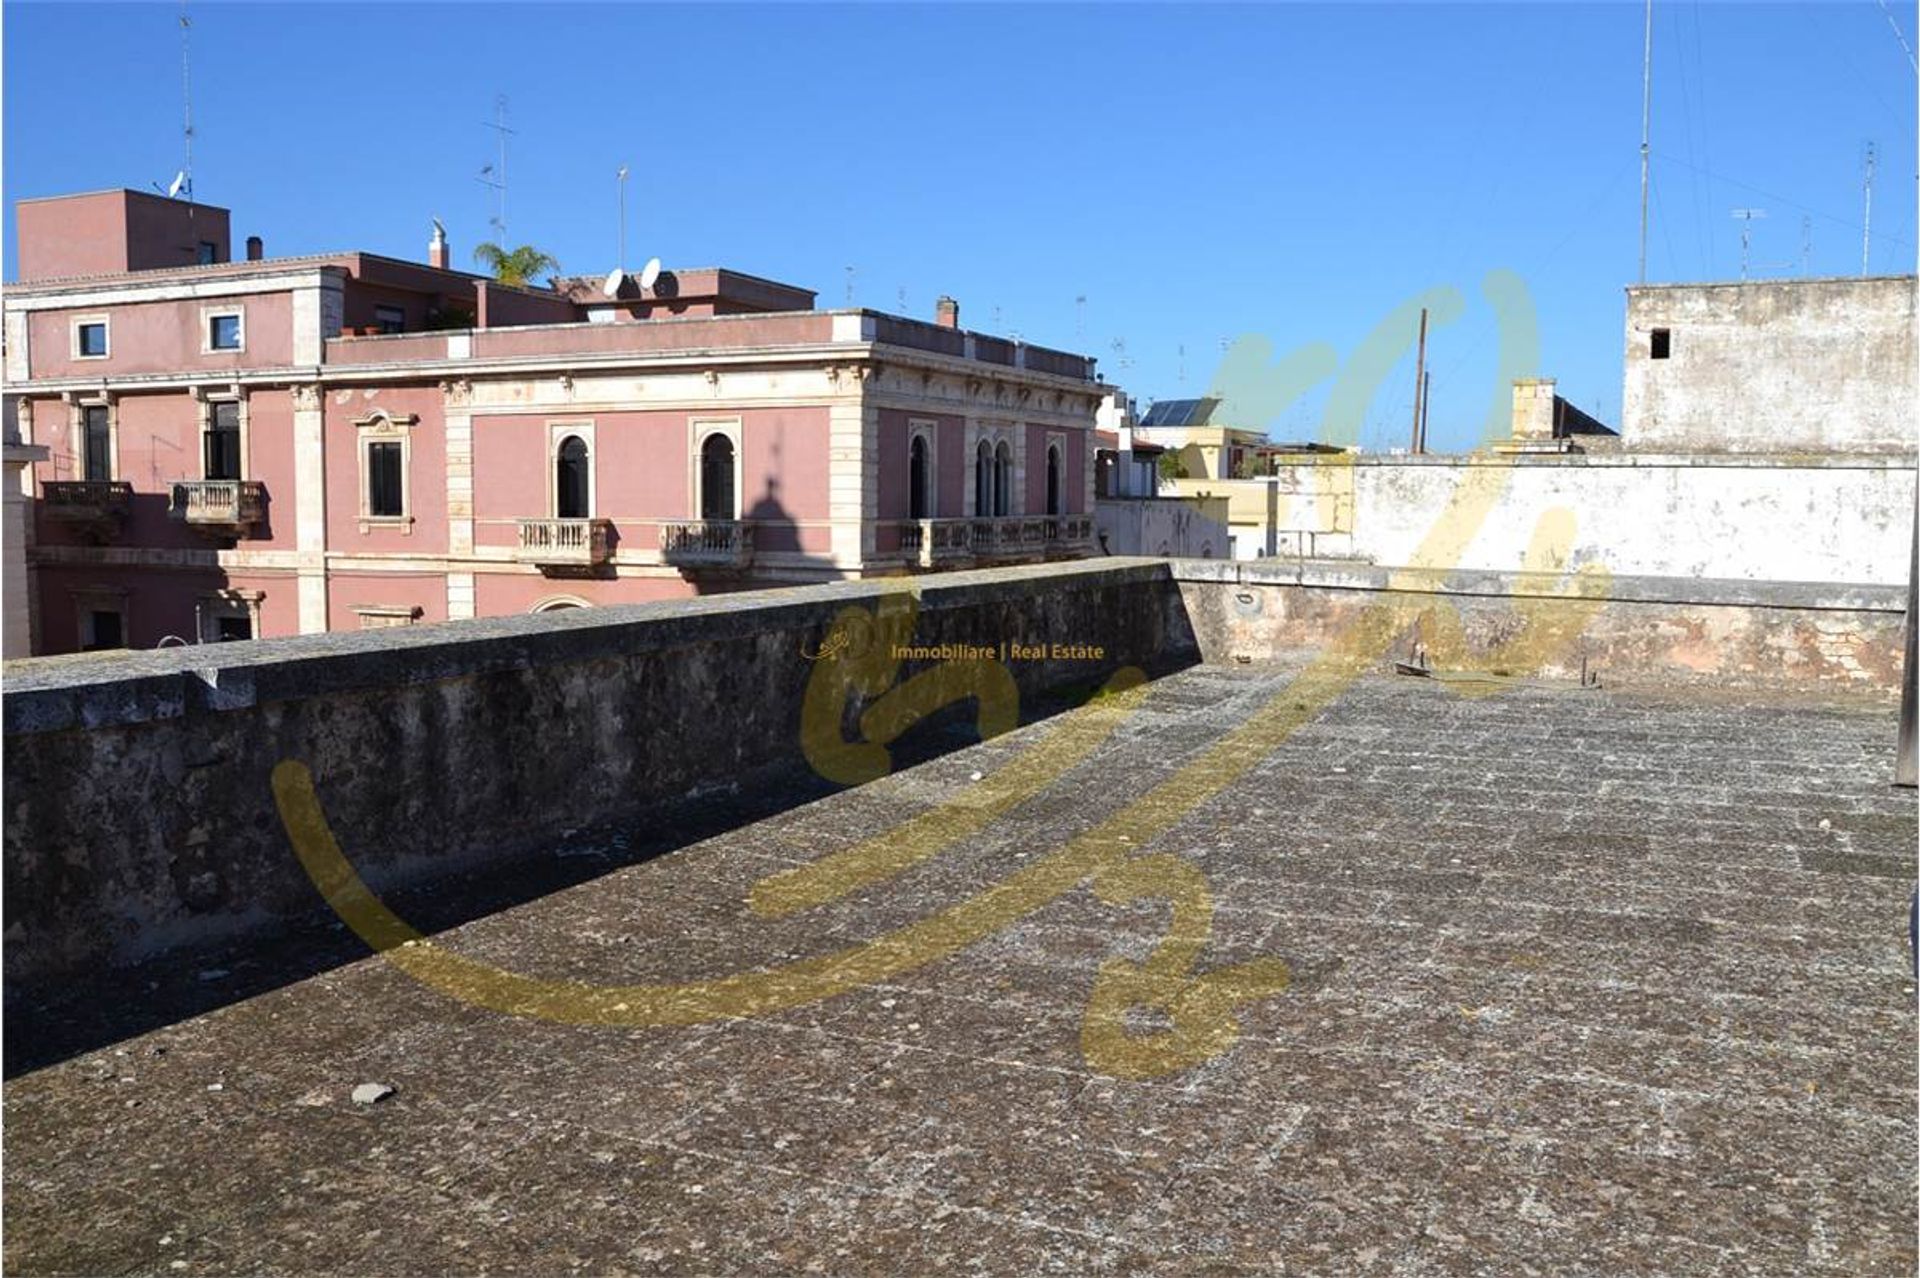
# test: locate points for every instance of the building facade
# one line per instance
(285, 446)
(1771, 366)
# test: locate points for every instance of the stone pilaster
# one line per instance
(310, 505)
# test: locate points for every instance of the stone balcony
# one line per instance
(707, 543)
(934, 543)
(562, 544)
(95, 508)
(224, 507)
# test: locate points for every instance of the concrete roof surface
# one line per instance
(1582, 982)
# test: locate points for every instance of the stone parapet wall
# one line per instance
(140, 811)
(1771, 637)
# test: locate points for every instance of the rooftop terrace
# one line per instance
(1580, 981)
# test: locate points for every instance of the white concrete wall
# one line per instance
(1750, 519)
(1772, 366)
(1193, 529)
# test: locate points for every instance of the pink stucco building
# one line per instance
(278, 446)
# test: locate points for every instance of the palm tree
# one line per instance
(516, 266)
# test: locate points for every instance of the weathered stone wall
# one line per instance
(1844, 640)
(139, 812)
(1821, 365)
(1193, 527)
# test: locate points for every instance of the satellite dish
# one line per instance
(650, 272)
(179, 180)
(615, 278)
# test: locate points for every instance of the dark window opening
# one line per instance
(570, 479)
(1662, 345)
(384, 489)
(716, 478)
(390, 319)
(228, 629)
(223, 332)
(223, 442)
(1002, 479)
(983, 480)
(93, 339)
(917, 480)
(99, 457)
(1053, 481)
(106, 631)
(209, 253)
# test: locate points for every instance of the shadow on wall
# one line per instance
(774, 532)
(104, 607)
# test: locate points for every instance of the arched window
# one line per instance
(1053, 479)
(1002, 479)
(716, 478)
(917, 505)
(983, 480)
(572, 493)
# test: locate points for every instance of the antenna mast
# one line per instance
(497, 177)
(620, 179)
(1746, 217)
(1866, 225)
(1646, 135)
(186, 101)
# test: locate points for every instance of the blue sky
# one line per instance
(1195, 173)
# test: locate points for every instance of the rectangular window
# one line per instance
(223, 332)
(385, 493)
(1662, 344)
(227, 629)
(104, 630)
(223, 441)
(92, 340)
(209, 253)
(97, 461)
(390, 319)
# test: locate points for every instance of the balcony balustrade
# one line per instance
(707, 543)
(564, 543)
(225, 507)
(933, 543)
(95, 508)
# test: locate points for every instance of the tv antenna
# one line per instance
(620, 180)
(1183, 363)
(902, 299)
(1646, 133)
(495, 175)
(182, 183)
(1080, 316)
(1866, 223)
(1121, 359)
(849, 285)
(1746, 218)
(1806, 244)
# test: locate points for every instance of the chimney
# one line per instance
(437, 251)
(946, 312)
(256, 248)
